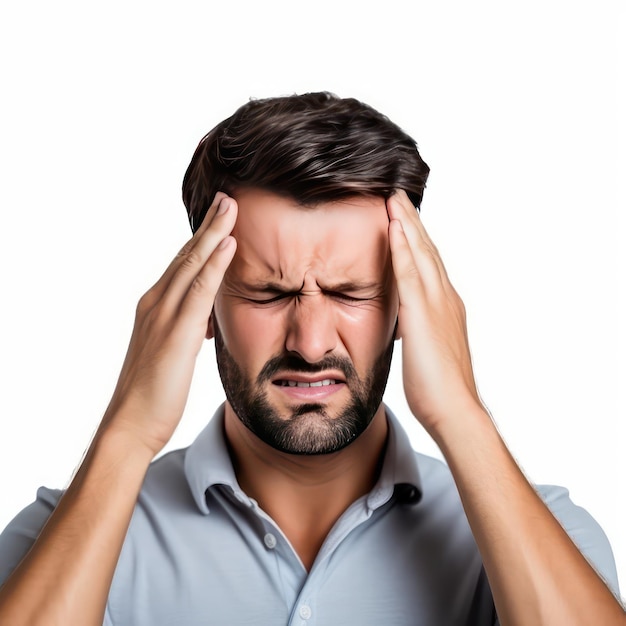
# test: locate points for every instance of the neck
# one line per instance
(305, 495)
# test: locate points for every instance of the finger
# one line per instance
(197, 304)
(155, 293)
(206, 222)
(425, 255)
(409, 280)
(402, 200)
(195, 260)
(419, 239)
(400, 207)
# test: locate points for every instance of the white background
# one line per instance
(514, 107)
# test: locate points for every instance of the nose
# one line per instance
(311, 329)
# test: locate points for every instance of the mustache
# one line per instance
(295, 363)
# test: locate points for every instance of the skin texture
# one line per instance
(330, 303)
(300, 303)
(536, 573)
(65, 577)
(309, 427)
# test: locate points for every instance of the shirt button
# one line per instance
(270, 541)
(305, 611)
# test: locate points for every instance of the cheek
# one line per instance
(252, 337)
(366, 332)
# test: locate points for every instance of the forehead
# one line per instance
(277, 239)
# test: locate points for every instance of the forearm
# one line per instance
(536, 573)
(65, 578)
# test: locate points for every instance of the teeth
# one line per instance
(318, 383)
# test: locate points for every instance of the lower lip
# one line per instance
(311, 394)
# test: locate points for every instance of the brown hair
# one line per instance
(313, 148)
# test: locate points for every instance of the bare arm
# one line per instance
(65, 578)
(536, 573)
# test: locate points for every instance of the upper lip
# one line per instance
(299, 377)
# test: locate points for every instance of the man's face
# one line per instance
(304, 320)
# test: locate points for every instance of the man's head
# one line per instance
(304, 320)
(312, 148)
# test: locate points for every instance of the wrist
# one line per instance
(462, 426)
(120, 437)
(135, 427)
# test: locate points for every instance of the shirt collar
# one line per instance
(208, 463)
(399, 476)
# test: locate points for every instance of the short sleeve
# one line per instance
(584, 531)
(21, 533)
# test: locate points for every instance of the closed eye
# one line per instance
(335, 295)
(277, 298)
(345, 298)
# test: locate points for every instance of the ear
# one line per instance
(210, 329)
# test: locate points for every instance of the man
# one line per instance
(302, 502)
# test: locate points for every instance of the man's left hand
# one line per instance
(436, 363)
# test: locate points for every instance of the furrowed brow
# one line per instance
(269, 287)
(343, 287)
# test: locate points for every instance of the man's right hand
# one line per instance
(66, 575)
(171, 322)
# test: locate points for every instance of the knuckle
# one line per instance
(412, 278)
(145, 303)
(200, 286)
(186, 249)
(424, 248)
(412, 272)
(152, 310)
(460, 305)
(191, 261)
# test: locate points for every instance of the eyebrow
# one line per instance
(347, 286)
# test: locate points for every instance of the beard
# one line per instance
(308, 429)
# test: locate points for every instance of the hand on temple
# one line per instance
(170, 325)
(437, 369)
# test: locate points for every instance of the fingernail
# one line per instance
(224, 206)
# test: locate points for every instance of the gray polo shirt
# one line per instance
(199, 551)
